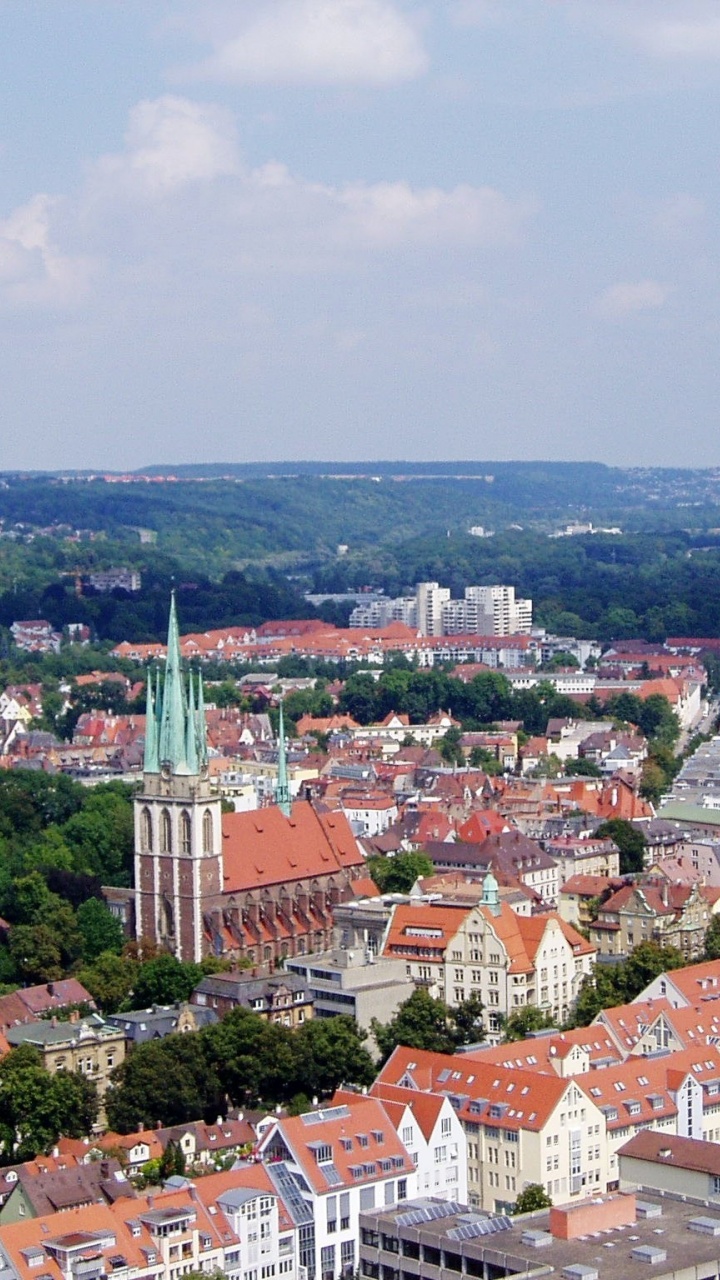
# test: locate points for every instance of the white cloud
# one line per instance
(626, 298)
(172, 143)
(178, 211)
(33, 270)
(347, 42)
(391, 214)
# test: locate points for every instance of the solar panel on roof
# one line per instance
(326, 1113)
(289, 1191)
(428, 1212)
(481, 1227)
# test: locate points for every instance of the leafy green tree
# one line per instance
(531, 1198)
(468, 1020)
(420, 1023)
(399, 873)
(646, 961)
(36, 1107)
(101, 835)
(100, 930)
(165, 980)
(450, 749)
(331, 1052)
(110, 980)
(629, 840)
(521, 1022)
(253, 1059)
(169, 1080)
(712, 940)
(35, 953)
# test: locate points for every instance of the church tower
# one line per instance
(178, 836)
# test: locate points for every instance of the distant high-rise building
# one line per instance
(430, 598)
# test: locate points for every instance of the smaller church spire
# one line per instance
(283, 798)
(491, 894)
(151, 762)
(191, 754)
(201, 725)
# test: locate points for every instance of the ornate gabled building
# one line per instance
(260, 885)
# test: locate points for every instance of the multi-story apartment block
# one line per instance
(521, 1126)
(584, 856)
(431, 598)
(88, 1045)
(232, 1224)
(330, 1164)
(674, 915)
(508, 960)
(433, 1136)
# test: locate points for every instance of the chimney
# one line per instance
(150, 1201)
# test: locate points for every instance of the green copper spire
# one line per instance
(172, 725)
(151, 762)
(282, 794)
(191, 754)
(201, 726)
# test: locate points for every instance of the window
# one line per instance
(347, 1255)
(145, 831)
(165, 832)
(184, 832)
(446, 1126)
(207, 830)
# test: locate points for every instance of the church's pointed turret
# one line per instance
(191, 754)
(283, 798)
(172, 725)
(201, 726)
(151, 761)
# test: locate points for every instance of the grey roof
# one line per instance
(140, 1025)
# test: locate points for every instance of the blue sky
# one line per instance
(277, 229)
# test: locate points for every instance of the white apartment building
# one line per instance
(431, 599)
(521, 1127)
(330, 1164)
(433, 1136)
(508, 960)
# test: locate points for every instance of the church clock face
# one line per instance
(166, 770)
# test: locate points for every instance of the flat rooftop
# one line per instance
(662, 1225)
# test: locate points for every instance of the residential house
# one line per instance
(583, 855)
(508, 960)
(521, 1126)
(672, 914)
(277, 997)
(338, 1161)
(88, 1045)
(72, 1185)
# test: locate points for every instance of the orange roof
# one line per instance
(359, 1136)
(264, 847)
(426, 1107)
(424, 927)
(486, 1092)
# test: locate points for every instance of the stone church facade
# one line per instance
(260, 885)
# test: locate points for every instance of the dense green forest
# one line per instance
(245, 548)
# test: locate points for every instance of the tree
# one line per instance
(399, 873)
(469, 1024)
(519, 1024)
(100, 930)
(253, 1059)
(630, 843)
(531, 1198)
(331, 1052)
(169, 1080)
(420, 1023)
(165, 980)
(36, 1107)
(712, 940)
(109, 979)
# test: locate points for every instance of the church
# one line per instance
(259, 886)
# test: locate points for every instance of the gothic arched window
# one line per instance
(185, 832)
(207, 829)
(146, 831)
(165, 832)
